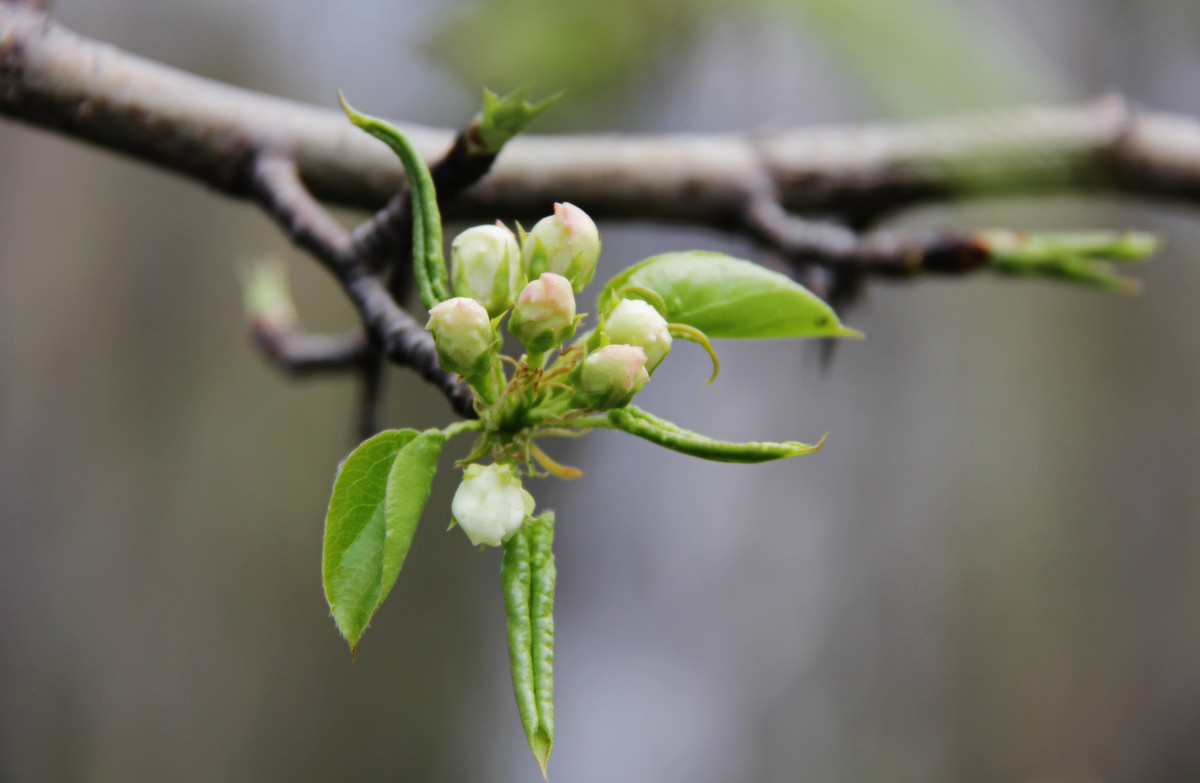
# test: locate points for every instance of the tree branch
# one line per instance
(56, 79)
(803, 243)
(288, 157)
(274, 182)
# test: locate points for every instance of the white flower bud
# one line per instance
(485, 264)
(490, 504)
(544, 315)
(463, 335)
(566, 243)
(609, 377)
(634, 322)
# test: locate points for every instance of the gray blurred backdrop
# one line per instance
(991, 572)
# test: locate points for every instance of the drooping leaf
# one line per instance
(377, 498)
(725, 297)
(638, 422)
(429, 264)
(527, 576)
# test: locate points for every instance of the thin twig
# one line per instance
(301, 354)
(805, 242)
(275, 184)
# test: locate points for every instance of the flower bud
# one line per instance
(566, 243)
(609, 377)
(490, 504)
(634, 322)
(485, 264)
(544, 315)
(463, 335)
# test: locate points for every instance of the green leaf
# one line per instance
(527, 576)
(429, 265)
(638, 422)
(378, 496)
(727, 297)
(504, 117)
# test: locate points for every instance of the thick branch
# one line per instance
(56, 79)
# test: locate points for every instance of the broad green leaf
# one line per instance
(408, 486)
(527, 576)
(377, 498)
(429, 265)
(636, 421)
(724, 296)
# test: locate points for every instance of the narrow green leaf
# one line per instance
(637, 422)
(429, 265)
(727, 297)
(527, 576)
(370, 521)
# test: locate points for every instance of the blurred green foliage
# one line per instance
(909, 56)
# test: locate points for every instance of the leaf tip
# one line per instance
(799, 448)
(541, 745)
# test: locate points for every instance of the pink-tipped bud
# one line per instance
(635, 322)
(462, 333)
(566, 243)
(609, 377)
(485, 265)
(544, 315)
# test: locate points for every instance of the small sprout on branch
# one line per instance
(1085, 257)
(267, 297)
(502, 118)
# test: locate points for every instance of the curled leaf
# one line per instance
(527, 576)
(638, 422)
(429, 264)
(694, 335)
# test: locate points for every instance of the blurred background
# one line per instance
(991, 573)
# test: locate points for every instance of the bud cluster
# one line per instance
(534, 279)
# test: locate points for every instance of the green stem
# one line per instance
(466, 425)
(597, 421)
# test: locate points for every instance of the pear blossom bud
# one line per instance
(490, 504)
(566, 243)
(634, 322)
(485, 264)
(462, 333)
(544, 315)
(609, 377)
